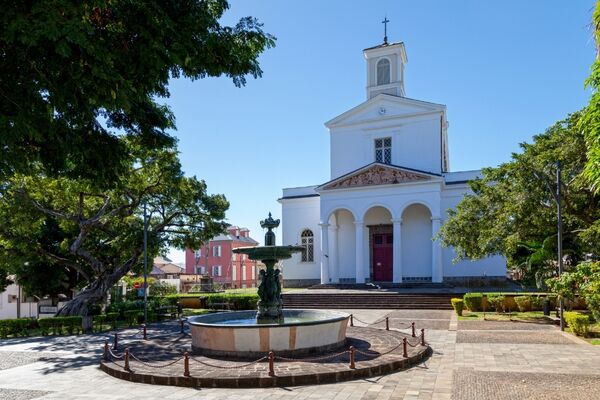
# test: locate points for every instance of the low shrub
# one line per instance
(98, 321)
(523, 303)
(497, 302)
(458, 305)
(537, 303)
(237, 301)
(112, 317)
(131, 316)
(473, 301)
(16, 327)
(578, 323)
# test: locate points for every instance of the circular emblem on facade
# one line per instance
(382, 110)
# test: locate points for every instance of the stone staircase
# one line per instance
(373, 300)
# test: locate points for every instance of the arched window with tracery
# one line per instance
(383, 71)
(307, 241)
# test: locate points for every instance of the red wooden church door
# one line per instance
(382, 257)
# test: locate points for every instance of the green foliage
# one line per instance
(68, 64)
(584, 281)
(524, 303)
(578, 323)
(16, 327)
(161, 289)
(458, 305)
(496, 301)
(101, 237)
(238, 301)
(512, 211)
(473, 301)
(132, 317)
(590, 119)
(112, 317)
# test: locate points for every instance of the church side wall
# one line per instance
(490, 267)
(297, 215)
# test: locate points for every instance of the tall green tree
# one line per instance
(512, 211)
(79, 75)
(590, 121)
(99, 234)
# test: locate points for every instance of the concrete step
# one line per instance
(367, 300)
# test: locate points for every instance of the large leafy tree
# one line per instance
(77, 76)
(590, 121)
(51, 222)
(512, 211)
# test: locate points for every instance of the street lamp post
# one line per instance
(559, 244)
(145, 266)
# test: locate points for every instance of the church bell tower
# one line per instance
(385, 69)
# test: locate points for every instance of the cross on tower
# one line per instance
(385, 22)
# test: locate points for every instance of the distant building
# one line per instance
(217, 260)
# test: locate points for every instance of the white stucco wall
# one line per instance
(416, 242)
(8, 306)
(298, 214)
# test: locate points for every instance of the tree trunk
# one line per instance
(94, 293)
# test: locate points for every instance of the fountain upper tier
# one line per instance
(263, 253)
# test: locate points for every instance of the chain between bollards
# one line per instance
(126, 366)
(271, 358)
(145, 333)
(423, 337)
(413, 329)
(352, 355)
(351, 320)
(186, 364)
(404, 347)
(387, 323)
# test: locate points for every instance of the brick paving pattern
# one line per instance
(12, 394)
(524, 386)
(14, 359)
(492, 369)
(512, 336)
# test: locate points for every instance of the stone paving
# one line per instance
(456, 370)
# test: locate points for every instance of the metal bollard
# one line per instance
(145, 333)
(351, 320)
(126, 366)
(387, 323)
(423, 337)
(413, 330)
(106, 350)
(352, 356)
(271, 359)
(116, 342)
(405, 347)
(181, 322)
(186, 364)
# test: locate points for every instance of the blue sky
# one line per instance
(506, 71)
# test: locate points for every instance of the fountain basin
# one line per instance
(238, 334)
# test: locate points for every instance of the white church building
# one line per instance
(389, 192)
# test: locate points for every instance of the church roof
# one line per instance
(378, 174)
(383, 45)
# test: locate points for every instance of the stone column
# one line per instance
(360, 258)
(333, 254)
(437, 272)
(324, 252)
(397, 250)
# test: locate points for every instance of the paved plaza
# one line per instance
(470, 360)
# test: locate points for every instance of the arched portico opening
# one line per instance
(416, 243)
(379, 240)
(342, 238)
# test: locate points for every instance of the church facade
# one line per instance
(376, 219)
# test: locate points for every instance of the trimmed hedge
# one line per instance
(458, 305)
(523, 303)
(23, 326)
(578, 323)
(16, 327)
(473, 301)
(237, 301)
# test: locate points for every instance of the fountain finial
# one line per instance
(269, 223)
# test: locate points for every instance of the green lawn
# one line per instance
(531, 316)
(595, 342)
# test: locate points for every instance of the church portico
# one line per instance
(375, 220)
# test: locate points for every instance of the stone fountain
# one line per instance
(270, 328)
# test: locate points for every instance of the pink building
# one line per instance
(217, 260)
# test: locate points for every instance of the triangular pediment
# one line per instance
(383, 107)
(376, 174)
